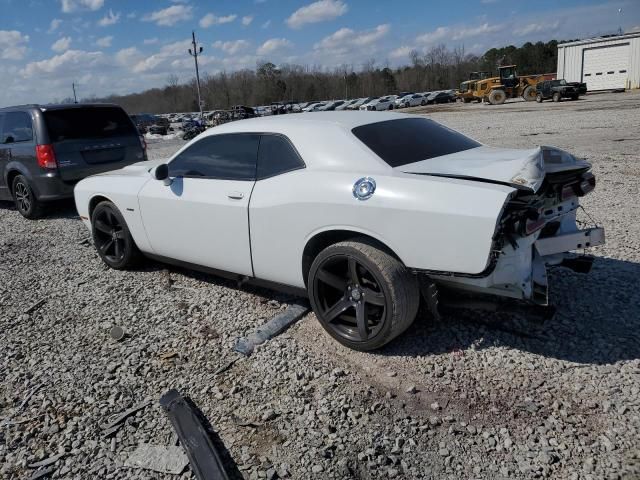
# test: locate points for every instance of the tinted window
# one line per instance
(226, 157)
(400, 142)
(17, 128)
(276, 155)
(90, 122)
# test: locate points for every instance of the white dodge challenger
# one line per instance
(359, 210)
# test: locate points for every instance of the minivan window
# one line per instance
(17, 128)
(409, 140)
(225, 157)
(88, 123)
(276, 155)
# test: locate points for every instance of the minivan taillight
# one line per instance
(46, 156)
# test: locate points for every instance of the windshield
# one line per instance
(408, 140)
(90, 122)
(558, 83)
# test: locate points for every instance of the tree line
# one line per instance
(437, 68)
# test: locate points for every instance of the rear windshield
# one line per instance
(409, 140)
(84, 123)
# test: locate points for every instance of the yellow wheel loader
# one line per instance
(508, 84)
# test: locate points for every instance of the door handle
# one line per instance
(235, 195)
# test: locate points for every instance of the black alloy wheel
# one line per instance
(25, 199)
(361, 295)
(111, 237)
(351, 299)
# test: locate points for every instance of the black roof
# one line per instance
(58, 106)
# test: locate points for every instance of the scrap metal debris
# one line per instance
(190, 425)
(159, 458)
(117, 333)
(273, 327)
(35, 306)
(115, 424)
(47, 461)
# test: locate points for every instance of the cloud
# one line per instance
(69, 61)
(70, 6)
(232, 47)
(346, 39)
(132, 15)
(54, 25)
(536, 28)
(246, 20)
(61, 45)
(104, 42)
(273, 45)
(168, 17)
(150, 41)
(458, 33)
(12, 45)
(128, 56)
(266, 24)
(401, 53)
(210, 19)
(320, 11)
(109, 19)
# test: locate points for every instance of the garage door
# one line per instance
(606, 67)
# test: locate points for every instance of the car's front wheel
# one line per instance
(25, 198)
(556, 97)
(112, 238)
(362, 295)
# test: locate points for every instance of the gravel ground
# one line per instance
(470, 396)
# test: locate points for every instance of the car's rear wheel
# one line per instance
(539, 98)
(556, 97)
(112, 238)
(25, 198)
(362, 295)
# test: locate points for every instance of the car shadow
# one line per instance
(65, 209)
(597, 321)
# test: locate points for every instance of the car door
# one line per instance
(201, 217)
(4, 159)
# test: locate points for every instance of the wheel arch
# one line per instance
(95, 200)
(325, 238)
(12, 171)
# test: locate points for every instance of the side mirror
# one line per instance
(162, 173)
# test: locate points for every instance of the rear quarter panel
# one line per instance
(430, 223)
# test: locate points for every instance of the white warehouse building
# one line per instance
(603, 63)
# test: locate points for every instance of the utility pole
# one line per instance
(75, 99)
(194, 53)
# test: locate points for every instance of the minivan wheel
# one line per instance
(25, 198)
(362, 296)
(112, 238)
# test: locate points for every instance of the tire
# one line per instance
(574, 97)
(539, 98)
(467, 100)
(529, 94)
(390, 107)
(25, 198)
(112, 238)
(497, 97)
(387, 294)
(423, 103)
(557, 97)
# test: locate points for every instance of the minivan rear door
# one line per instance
(92, 139)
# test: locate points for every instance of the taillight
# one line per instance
(46, 156)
